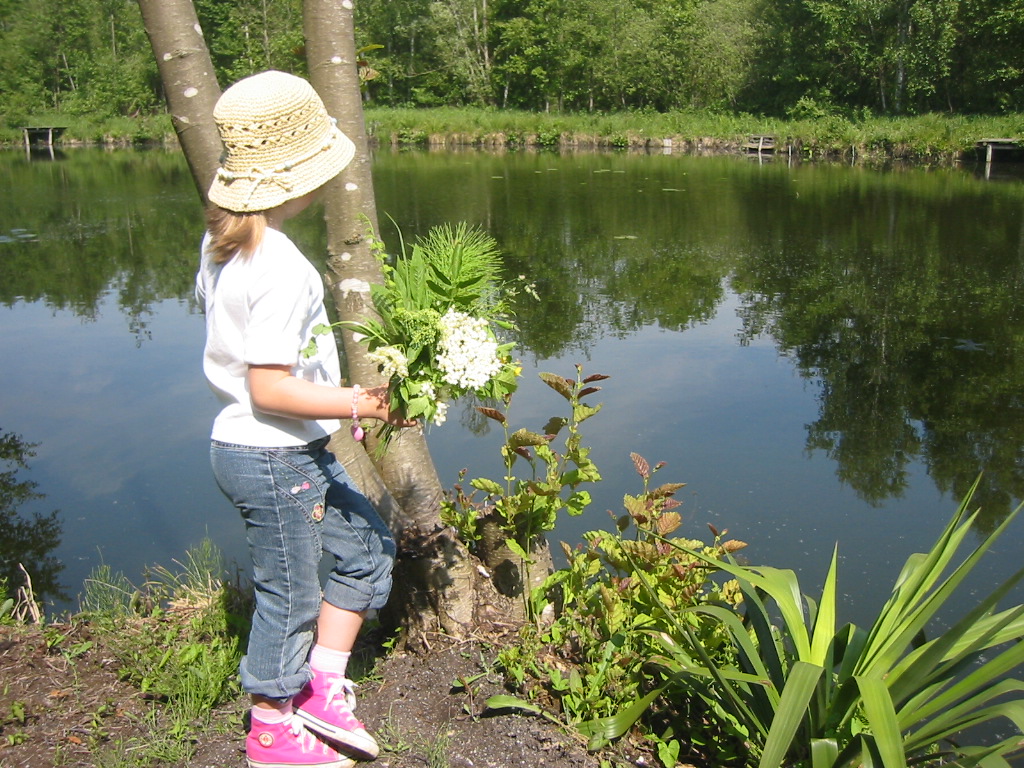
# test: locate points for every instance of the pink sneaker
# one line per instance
(325, 706)
(288, 745)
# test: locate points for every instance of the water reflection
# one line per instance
(703, 284)
(896, 293)
(26, 540)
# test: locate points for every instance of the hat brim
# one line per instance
(261, 192)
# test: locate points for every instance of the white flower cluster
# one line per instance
(391, 361)
(440, 406)
(467, 355)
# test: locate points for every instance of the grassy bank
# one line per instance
(929, 137)
(923, 138)
(81, 130)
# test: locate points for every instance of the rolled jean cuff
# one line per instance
(357, 595)
(281, 688)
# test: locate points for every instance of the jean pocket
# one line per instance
(296, 479)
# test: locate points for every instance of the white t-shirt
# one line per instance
(261, 310)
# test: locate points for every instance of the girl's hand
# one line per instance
(375, 403)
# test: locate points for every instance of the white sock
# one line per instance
(328, 660)
(272, 716)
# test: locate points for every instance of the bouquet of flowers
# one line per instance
(441, 306)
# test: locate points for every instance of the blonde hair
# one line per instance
(233, 233)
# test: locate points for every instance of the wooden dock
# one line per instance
(41, 136)
(760, 144)
(1006, 147)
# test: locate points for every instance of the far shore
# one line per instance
(932, 139)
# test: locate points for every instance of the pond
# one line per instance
(824, 354)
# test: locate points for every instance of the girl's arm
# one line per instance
(274, 390)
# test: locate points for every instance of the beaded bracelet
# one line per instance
(357, 429)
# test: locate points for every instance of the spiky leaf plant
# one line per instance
(810, 695)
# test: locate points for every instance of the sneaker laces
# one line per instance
(307, 741)
(342, 686)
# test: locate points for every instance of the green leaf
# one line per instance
(791, 711)
(502, 701)
(825, 621)
(824, 753)
(881, 717)
(487, 486)
(605, 729)
(517, 548)
(578, 502)
(583, 412)
(523, 437)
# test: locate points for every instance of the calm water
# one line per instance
(824, 354)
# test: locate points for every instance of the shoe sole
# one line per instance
(353, 743)
(345, 763)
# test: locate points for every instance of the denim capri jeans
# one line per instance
(297, 503)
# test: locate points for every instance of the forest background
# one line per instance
(87, 64)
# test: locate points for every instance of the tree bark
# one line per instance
(189, 82)
(434, 577)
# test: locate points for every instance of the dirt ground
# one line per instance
(67, 708)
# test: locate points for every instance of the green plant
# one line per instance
(807, 694)
(615, 597)
(6, 603)
(438, 748)
(107, 593)
(523, 510)
(180, 638)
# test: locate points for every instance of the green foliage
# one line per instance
(92, 57)
(807, 693)
(526, 508)
(617, 600)
(180, 636)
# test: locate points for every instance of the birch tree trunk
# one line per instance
(189, 82)
(436, 585)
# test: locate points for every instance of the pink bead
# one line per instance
(357, 432)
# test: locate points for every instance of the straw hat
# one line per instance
(279, 143)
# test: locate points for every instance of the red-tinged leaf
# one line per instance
(714, 531)
(524, 452)
(642, 467)
(666, 490)
(560, 384)
(671, 504)
(588, 391)
(554, 425)
(733, 545)
(492, 413)
(682, 571)
(668, 523)
(595, 377)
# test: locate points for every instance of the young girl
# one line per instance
(280, 401)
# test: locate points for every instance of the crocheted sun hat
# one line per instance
(279, 143)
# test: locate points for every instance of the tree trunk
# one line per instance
(437, 585)
(435, 581)
(189, 82)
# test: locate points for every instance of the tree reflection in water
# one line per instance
(28, 541)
